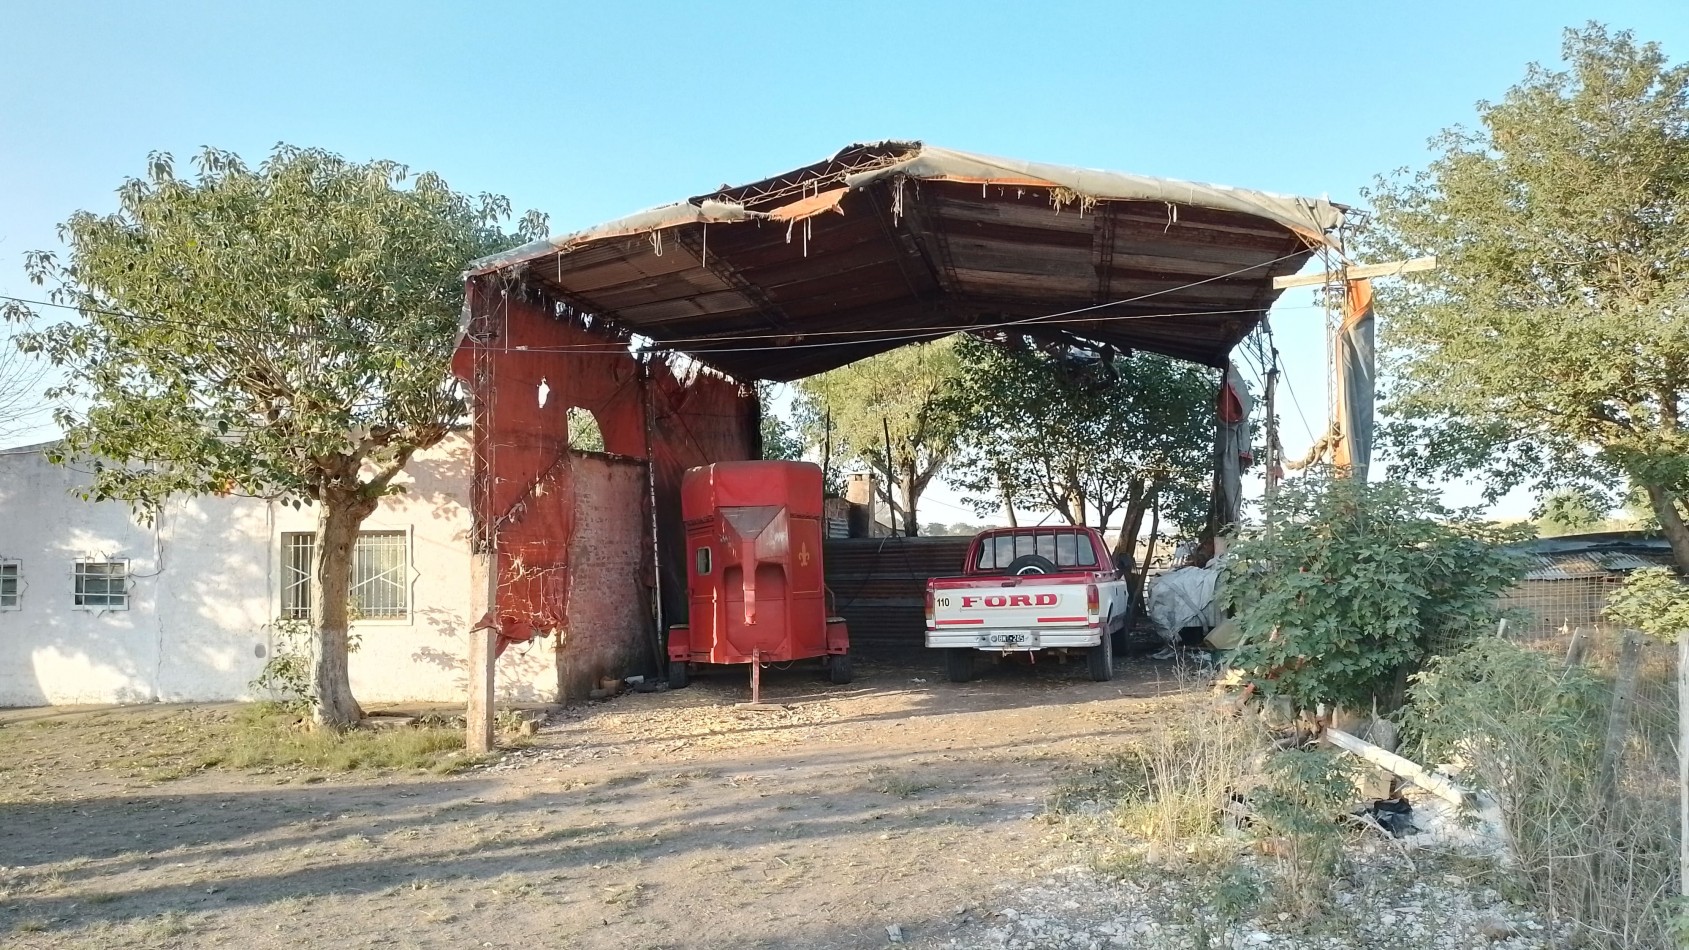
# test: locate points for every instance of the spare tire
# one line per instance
(1031, 564)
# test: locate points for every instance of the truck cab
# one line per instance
(1048, 588)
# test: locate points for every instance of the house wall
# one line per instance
(205, 588)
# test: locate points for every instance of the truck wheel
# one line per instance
(838, 669)
(1101, 659)
(680, 674)
(959, 664)
(1030, 564)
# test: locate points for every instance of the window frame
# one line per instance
(1068, 549)
(297, 606)
(13, 578)
(79, 575)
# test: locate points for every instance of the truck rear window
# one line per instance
(1063, 549)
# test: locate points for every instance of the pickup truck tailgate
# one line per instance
(1026, 605)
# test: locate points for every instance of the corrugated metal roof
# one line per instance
(1577, 557)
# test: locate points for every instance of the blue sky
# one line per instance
(589, 111)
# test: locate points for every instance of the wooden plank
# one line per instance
(1391, 762)
(1356, 273)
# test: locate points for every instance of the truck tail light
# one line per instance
(1093, 603)
(930, 622)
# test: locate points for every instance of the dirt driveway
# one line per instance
(653, 820)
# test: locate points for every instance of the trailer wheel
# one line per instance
(1101, 658)
(838, 669)
(959, 664)
(680, 674)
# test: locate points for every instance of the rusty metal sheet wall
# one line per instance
(879, 585)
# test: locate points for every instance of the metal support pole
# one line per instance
(891, 478)
(1272, 451)
(756, 677)
(659, 631)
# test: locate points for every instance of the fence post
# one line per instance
(1683, 762)
(1618, 715)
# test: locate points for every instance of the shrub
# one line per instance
(1348, 587)
(1601, 855)
(1306, 793)
(1653, 601)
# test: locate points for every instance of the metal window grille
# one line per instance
(102, 585)
(380, 575)
(297, 548)
(11, 585)
(379, 584)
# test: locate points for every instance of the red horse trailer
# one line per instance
(754, 579)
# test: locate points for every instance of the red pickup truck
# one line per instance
(1025, 589)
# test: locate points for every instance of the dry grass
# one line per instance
(267, 736)
(1192, 772)
(159, 746)
(1596, 853)
(901, 786)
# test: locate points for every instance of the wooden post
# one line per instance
(479, 718)
(1618, 715)
(1576, 649)
(1683, 761)
(483, 644)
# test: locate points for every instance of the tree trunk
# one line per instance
(911, 495)
(333, 706)
(1664, 503)
(1008, 504)
(1137, 505)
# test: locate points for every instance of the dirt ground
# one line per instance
(669, 819)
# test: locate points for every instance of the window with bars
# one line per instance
(380, 575)
(102, 584)
(11, 584)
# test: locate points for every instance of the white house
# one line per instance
(97, 608)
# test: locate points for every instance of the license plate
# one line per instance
(1009, 638)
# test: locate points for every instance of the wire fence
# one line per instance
(1595, 823)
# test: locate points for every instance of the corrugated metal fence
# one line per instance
(879, 585)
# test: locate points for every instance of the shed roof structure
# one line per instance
(897, 242)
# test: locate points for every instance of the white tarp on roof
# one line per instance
(1309, 217)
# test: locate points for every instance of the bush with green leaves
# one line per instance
(1653, 600)
(1348, 586)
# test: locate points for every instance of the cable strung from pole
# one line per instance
(893, 335)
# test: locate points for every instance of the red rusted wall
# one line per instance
(529, 498)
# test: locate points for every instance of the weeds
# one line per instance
(1298, 808)
(1597, 852)
(1179, 787)
(900, 786)
(268, 735)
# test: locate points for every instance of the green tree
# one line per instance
(280, 331)
(22, 381)
(1083, 435)
(1567, 511)
(1348, 586)
(904, 391)
(1652, 600)
(1551, 345)
(780, 439)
